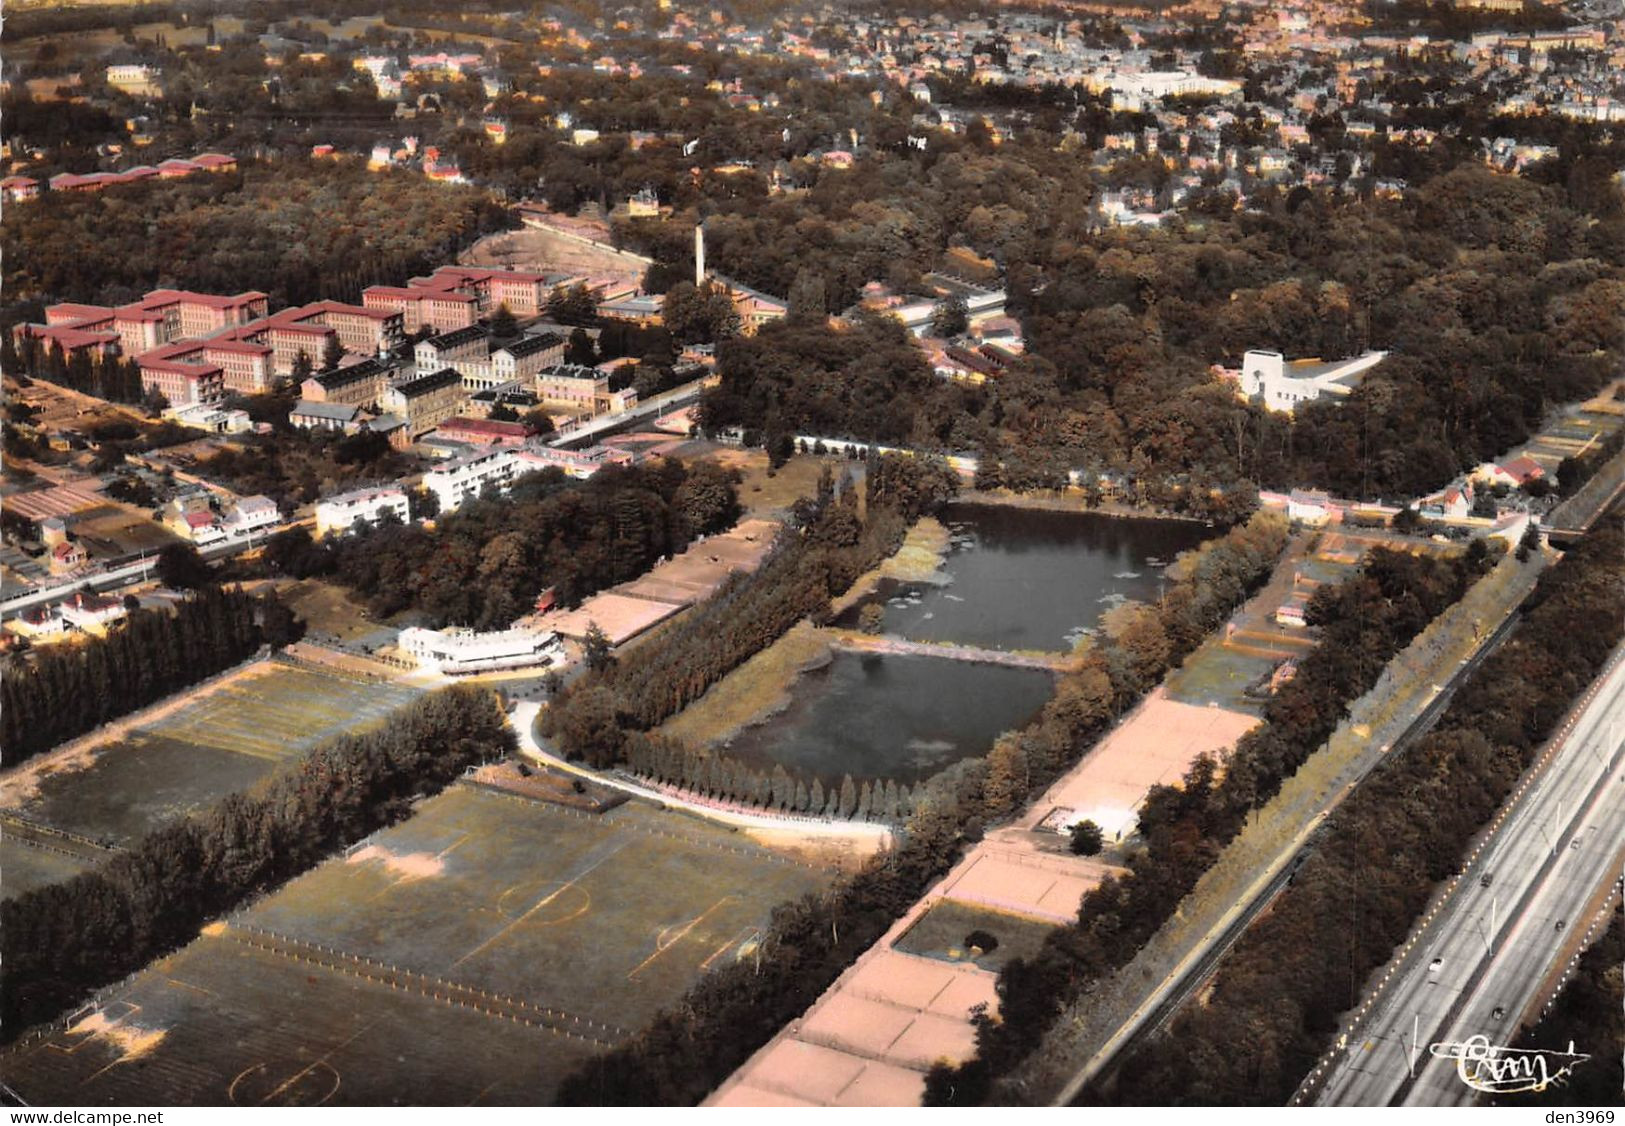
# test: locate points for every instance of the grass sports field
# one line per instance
(224, 738)
(474, 953)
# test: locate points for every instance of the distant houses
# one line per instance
(19, 189)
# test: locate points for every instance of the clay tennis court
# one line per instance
(625, 611)
(1157, 744)
(869, 1041)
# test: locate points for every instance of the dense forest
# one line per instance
(295, 467)
(299, 230)
(1496, 296)
(63, 940)
(689, 1049)
(58, 692)
(1407, 828)
(1363, 622)
(106, 377)
(484, 564)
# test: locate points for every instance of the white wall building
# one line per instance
(339, 513)
(252, 514)
(457, 481)
(456, 651)
(1285, 386)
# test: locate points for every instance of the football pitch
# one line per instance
(477, 952)
(193, 751)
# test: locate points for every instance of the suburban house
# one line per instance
(68, 557)
(92, 613)
(1309, 506)
(1514, 474)
(1284, 386)
(252, 514)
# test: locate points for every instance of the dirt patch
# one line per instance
(408, 865)
(550, 786)
(130, 1041)
(839, 853)
(552, 252)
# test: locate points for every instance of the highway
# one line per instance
(1198, 966)
(1484, 950)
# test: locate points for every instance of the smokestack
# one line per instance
(699, 256)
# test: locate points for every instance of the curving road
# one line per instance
(1489, 946)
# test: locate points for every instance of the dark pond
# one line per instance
(889, 716)
(1031, 579)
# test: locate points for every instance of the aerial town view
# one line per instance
(811, 553)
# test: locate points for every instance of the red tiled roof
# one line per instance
(185, 369)
(241, 347)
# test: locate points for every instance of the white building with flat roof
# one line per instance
(1285, 386)
(339, 513)
(455, 651)
(466, 477)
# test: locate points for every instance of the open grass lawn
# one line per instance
(223, 1023)
(764, 495)
(941, 933)
(284, 713)
(474, 953)
(328, 607)
(24, 867)
(606, 916)
(137, 784)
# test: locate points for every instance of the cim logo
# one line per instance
(1507, 1071)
